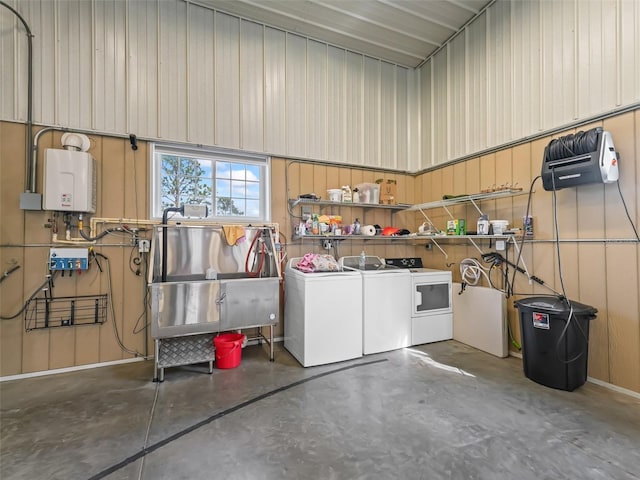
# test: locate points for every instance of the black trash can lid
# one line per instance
(555, 305)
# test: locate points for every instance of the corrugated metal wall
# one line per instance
(177, 71)
(526, 67)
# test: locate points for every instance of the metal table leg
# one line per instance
(271, 356)
(156, 359)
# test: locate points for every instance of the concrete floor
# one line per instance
(438, 411)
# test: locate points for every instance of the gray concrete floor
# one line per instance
(438, 411)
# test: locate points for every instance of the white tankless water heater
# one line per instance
(70, 176)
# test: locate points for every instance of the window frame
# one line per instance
(214, 155)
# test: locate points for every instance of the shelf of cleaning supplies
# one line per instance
(324, 203)
(364, 238)
(365, 206)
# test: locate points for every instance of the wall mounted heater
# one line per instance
(586, 157)
(70, 176)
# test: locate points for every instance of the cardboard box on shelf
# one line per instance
(388, 192)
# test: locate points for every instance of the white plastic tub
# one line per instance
(335, 194)
(369, 192)
(499, 226)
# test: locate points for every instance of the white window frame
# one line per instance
(213, 155)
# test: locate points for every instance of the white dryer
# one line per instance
(431, 301)
(386, 304)
(322, 315)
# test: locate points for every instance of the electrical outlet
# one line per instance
(143, 246)
(327, 245)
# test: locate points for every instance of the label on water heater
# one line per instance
(66, 200)
(541, 320)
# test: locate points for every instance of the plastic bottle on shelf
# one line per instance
(483, 225)
(315, 226)
(362, 261)
(356, 195)
(355, 230)
(346, 194)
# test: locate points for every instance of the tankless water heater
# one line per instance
(69, 180)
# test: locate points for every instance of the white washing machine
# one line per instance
(322, 315)
(431, 301)
(386, 304)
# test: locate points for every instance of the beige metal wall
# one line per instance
(173, 70)
(522, 68)
(123, 179)
(292, 178)
(24, 238)
(604, 275)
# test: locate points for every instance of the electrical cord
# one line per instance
(48, 281)
(135, 261)
(564, 297)
(146, 301)
(113, 313)
(8, 272)
(626, 210)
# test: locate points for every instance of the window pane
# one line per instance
(226, 206)
(183, 181)
(206, 187)
(223, 170)
(253, 208)
(207, 168)
(237, 171)
(223, 188)
(238, 189)
(232, 185)
(253, 190)
(253, 173)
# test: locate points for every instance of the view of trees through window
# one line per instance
(230, 189)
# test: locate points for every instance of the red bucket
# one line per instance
(228, 349)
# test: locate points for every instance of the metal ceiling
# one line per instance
(404, 32)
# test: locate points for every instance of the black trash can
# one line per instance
(555, 354)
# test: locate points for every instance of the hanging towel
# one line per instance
(233, 233)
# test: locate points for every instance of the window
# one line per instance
(234, 186)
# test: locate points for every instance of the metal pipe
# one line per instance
(30, 169)
(165, 216)
(584, 240)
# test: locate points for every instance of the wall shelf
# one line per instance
(363, 238)
(475, 200)
(323, 203)
(300, 202)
